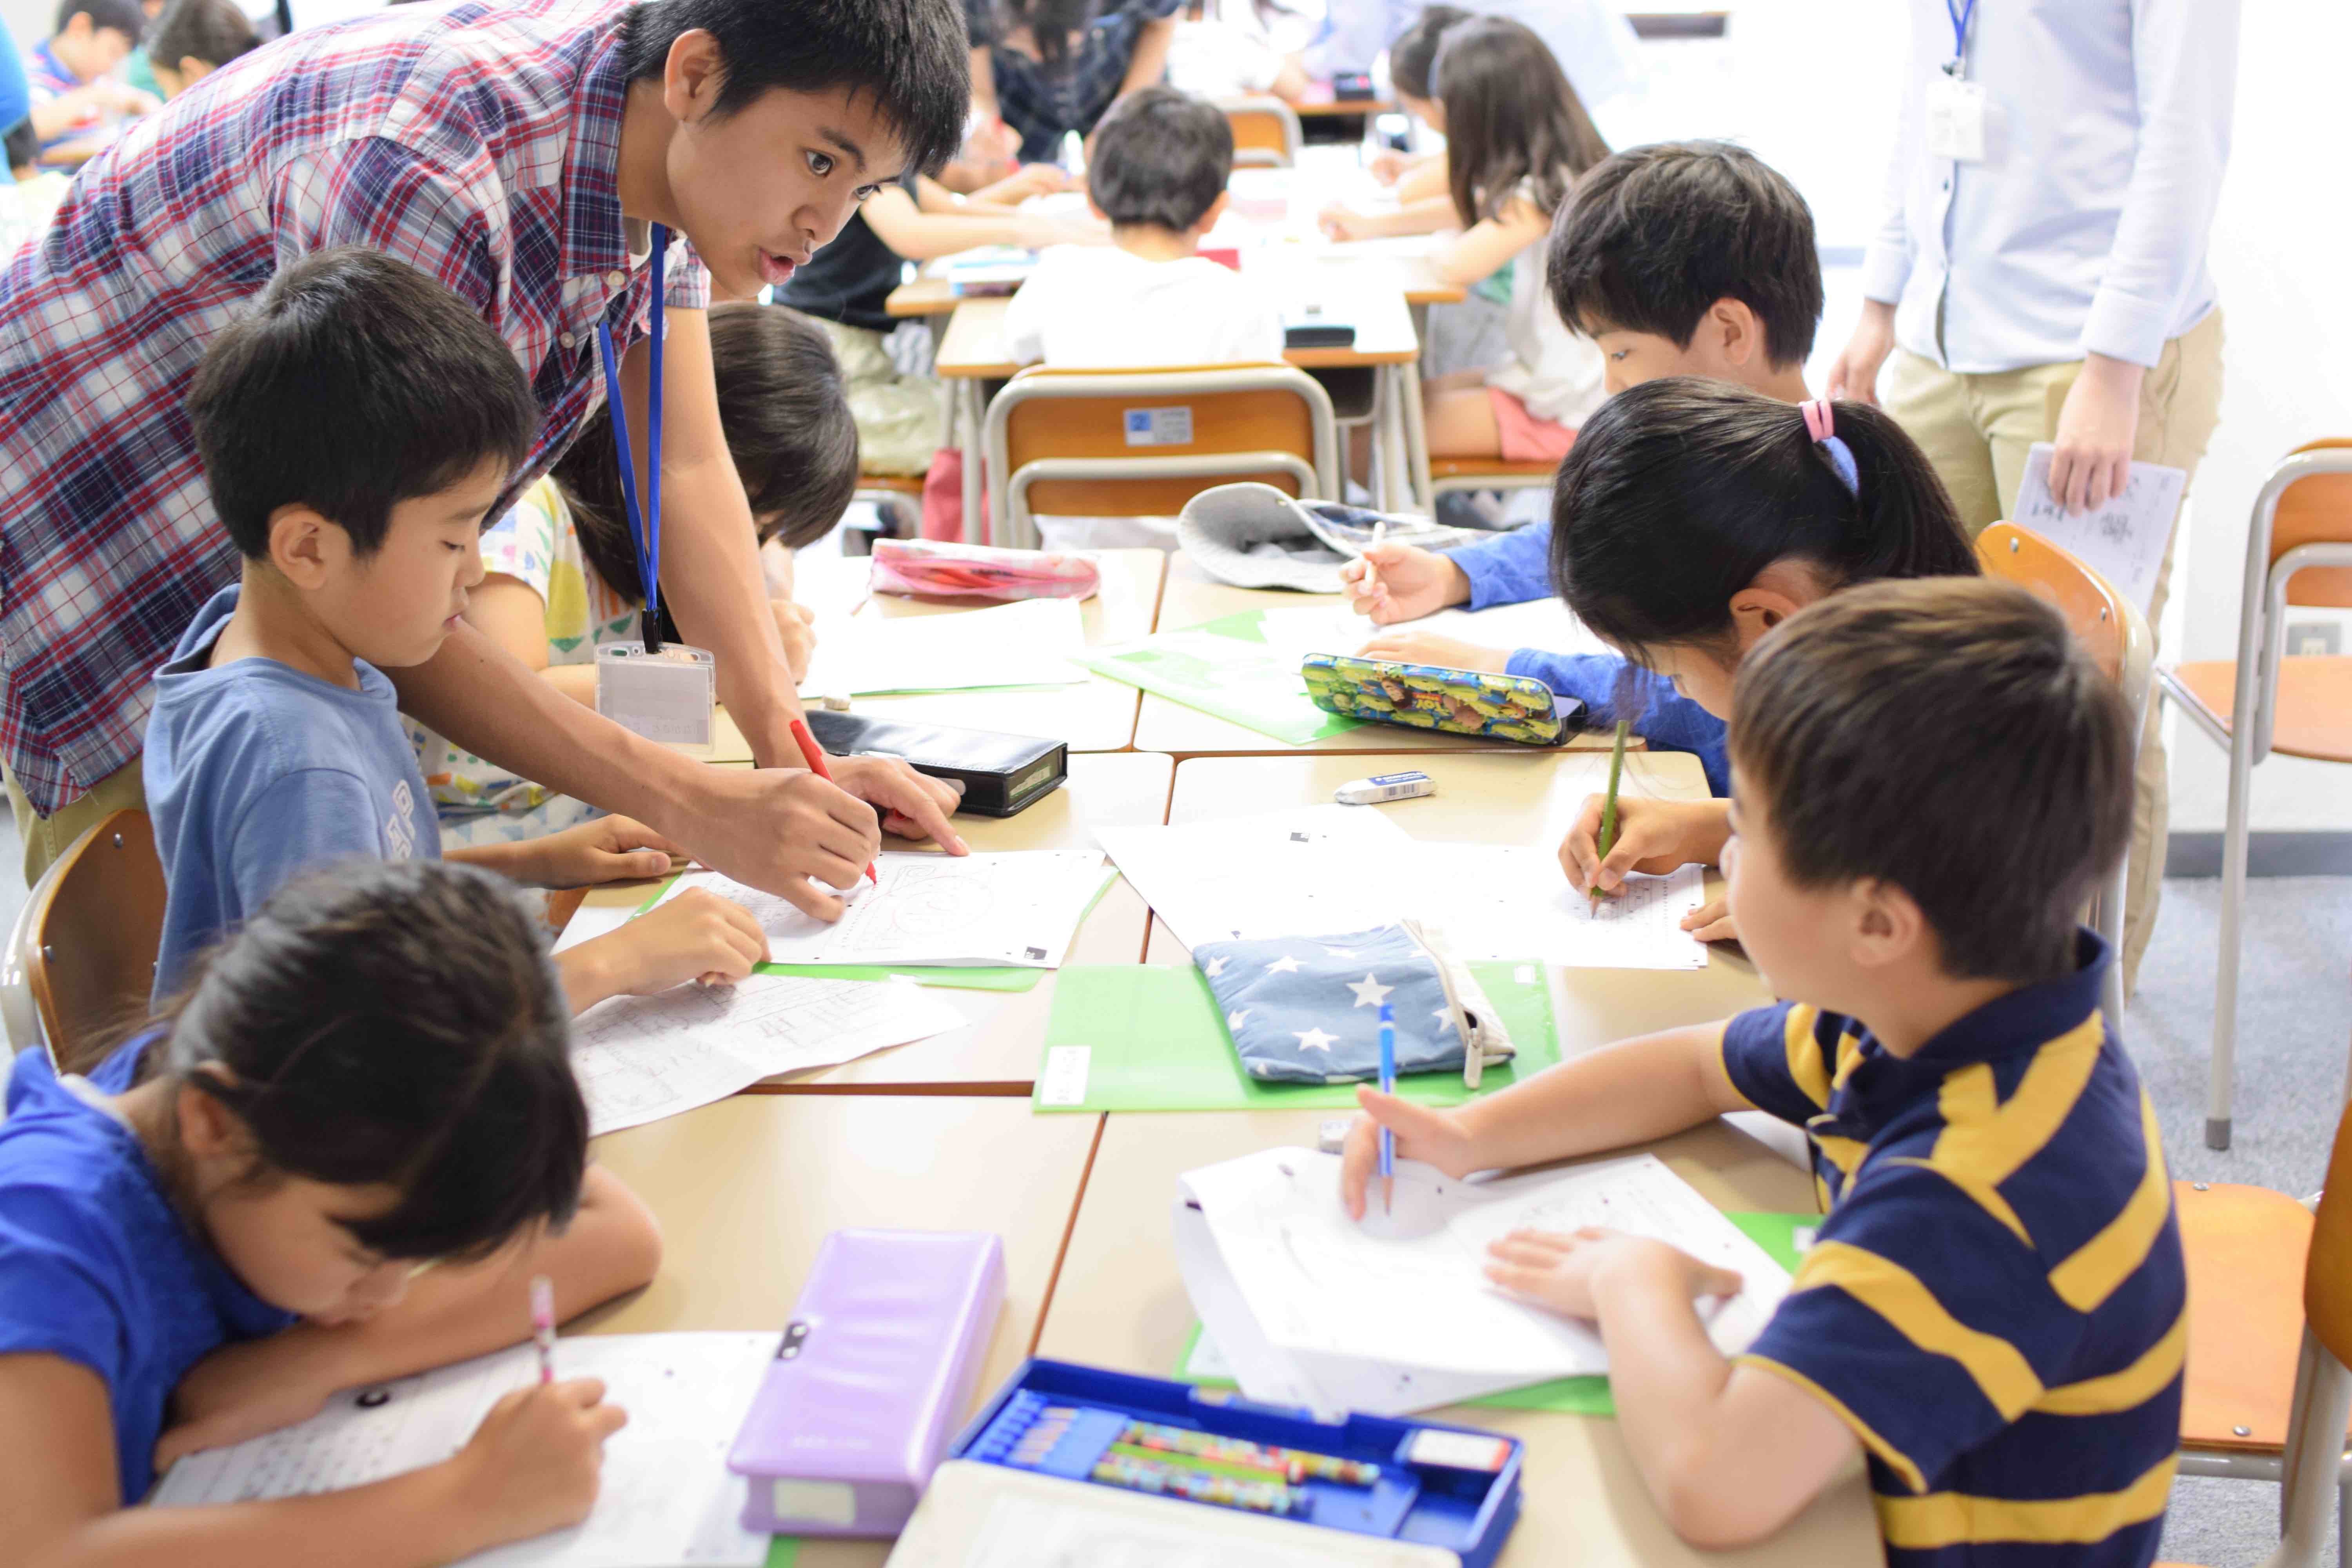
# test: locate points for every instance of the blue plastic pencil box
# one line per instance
(1516, 708)
(1451, 1487)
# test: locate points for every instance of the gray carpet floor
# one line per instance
(2294, 1028)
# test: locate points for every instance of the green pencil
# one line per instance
(1609, 805)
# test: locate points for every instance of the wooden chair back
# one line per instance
(90, 931)
(2327, 1277)
(1265, 133)
(2316, 510)
(2090, 605)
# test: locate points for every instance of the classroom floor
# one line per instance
(2296, 1021)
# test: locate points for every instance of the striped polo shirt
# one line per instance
(1996, 1303)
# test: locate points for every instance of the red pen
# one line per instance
(814, 755)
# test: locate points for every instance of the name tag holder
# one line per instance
(1955, 105)
(666, 691)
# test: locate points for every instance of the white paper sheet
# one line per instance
(1030, 643)
(1395, 1313)
(1507, 902)
(667, 1496)
(2124, 540)
(1020, 908)
(1543, 624)
(1306, 871)
(640, 1059)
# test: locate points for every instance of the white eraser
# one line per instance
(1383, 787)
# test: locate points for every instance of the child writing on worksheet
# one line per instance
(1517, 142)
(1417, 178)
(338, 1158)
(1682, 258)
(1934, 776)
(355, 429)
(561, 570)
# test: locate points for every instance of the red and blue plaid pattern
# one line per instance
(477, 142)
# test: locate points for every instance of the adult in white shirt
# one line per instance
(2041, 272)
(1592, 41)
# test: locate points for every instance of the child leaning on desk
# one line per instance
(233, 1215)
(355, 427)
(1932, 778)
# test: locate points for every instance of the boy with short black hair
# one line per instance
(355, 429)
(1158, 174)
(77, 102)
(1931, 778)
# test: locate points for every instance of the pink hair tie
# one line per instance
(1820, 424)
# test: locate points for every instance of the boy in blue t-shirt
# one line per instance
(355, 429)
(1930, 779)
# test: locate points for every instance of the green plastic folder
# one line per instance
(1153, 1040)
(1223, 666)
(1774, 1233)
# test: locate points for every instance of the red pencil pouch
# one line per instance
(923, 569)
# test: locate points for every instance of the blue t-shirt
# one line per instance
(95, 1263)
(256, 772)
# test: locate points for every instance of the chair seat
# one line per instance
(2245, 1249)
(2315, 702)
(897, 484)
(1463, 467)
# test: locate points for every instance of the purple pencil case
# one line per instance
(881, 1357)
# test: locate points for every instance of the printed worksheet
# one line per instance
(640, 1059)
(667, 1496)
(1028, 643)
(2124, 540)
(1307, 871)
(1508, 901)
(1394, 1313)
(1019, 908)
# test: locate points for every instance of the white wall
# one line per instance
(28, 20)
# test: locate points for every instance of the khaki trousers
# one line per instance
(901, 419)
(1975, 430)
(48, 838)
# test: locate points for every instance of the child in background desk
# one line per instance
(354, 428)
(1518, 143)
(1684, 259)
(1419, 178)
(229, 1221)
(560, 573)
(194, 39)
(79, 104)
(1993, 1312)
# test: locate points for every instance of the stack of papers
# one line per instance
(1394, 1314)
(1035, 642)
(1019, 908)
(667, 1497)
(1317, 870)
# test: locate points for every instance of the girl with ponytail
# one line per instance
(1690, 519)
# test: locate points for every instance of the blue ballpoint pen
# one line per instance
(1388, 1086)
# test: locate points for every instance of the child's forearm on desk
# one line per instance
(1630, 1092)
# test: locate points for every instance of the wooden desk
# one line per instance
(975, 342)
(1121, 1303)
(1488, 799)
(746, 1189)
(995, 1053)
(931, 295)
(1164, 725)
(1094, 714)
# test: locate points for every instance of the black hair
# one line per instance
(1951, 738)
(395, 1022)
(1656, 235)
(1160, 159)
(23, 147)
(786, 418)
(124, 17)
(912, 57)
(1413, 56)
(1512, 125)
(213, 31)
(1680, 491)
(357, 382)
(1050, 24)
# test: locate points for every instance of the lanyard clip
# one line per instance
(649, 623)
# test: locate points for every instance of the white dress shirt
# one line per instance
(1592, 41)
(2084, 229)
(1096, 306)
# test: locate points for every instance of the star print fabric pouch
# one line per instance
(1308, 1009)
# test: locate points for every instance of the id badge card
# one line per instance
(1956, 119)
(667, 697)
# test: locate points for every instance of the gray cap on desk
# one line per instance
(1255, 536)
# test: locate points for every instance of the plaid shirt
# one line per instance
(477, 142)
(1045, 105)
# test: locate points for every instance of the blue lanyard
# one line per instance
(1960, 19)
(645, 527)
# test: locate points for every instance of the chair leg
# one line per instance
(2342, 1519)
(2233, 901)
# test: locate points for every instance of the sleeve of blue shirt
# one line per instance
(51, 1301)
(1508, 569)
(1775, 1058)
(15, 95)
(303, 820)
(1664, 717)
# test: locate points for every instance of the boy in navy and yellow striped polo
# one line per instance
(1930, 777)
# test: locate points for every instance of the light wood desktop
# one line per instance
(747, 1189)
(1164, 725)
(931, 294)
(995, 1053)
(975, 344)
(1093, 714)
(1121, 1303)
(1488, 799)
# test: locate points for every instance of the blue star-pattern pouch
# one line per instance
(1308, 1009)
